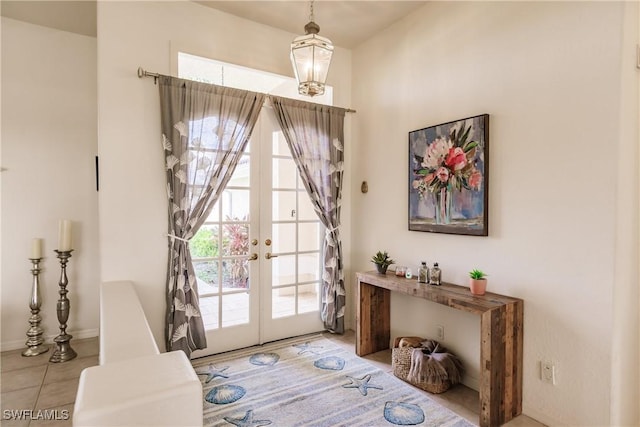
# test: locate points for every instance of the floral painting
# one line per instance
(448, 177)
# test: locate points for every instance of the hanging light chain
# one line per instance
(311, 11)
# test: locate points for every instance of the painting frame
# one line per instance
(449, 177)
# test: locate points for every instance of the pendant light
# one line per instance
(311, 57)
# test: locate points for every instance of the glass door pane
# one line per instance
(225, 264)
(292, 304)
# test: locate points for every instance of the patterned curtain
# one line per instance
(205, 129)
(315, 134)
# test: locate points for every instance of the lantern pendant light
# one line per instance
(311, 57)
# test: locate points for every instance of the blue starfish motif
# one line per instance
(212, 372)
(247, 421)
(362, 384)
(307, 347)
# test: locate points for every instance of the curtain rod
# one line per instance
(144, 73)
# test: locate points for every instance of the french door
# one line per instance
(258, 255)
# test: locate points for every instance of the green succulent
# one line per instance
(382, 259)
(477, 274)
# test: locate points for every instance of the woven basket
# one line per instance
(401, 363)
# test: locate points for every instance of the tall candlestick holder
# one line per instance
(34, 334)
(63, 351)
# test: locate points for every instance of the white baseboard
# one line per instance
(471, 382)
(48, 339)
(539, 416)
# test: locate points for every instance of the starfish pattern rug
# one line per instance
(310, 382)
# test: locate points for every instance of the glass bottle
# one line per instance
(435, 275)
(408, 274)
(423, 273)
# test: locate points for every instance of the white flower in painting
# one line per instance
(181, 128)
(436, 153)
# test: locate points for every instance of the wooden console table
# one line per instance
(500, 335)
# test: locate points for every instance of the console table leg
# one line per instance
(373, 323)
(501, 365)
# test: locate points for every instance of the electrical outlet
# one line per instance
(548, 372)
(440, 332)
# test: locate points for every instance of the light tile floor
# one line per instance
(33, 383)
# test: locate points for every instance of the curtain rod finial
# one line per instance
(142, 73)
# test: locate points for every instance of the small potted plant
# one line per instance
(382, 261)
(478, 282)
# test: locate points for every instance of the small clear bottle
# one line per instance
(408, 274)
(423, 273)
(435, 275)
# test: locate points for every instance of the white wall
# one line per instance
(49, 143)
(548, 74)
(132, 198)
(625, 349)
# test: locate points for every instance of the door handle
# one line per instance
(253, 257)
(269, 255)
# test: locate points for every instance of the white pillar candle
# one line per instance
(64, 235)
(36, 248)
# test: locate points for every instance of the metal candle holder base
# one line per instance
(63, 351)
(34, 334)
